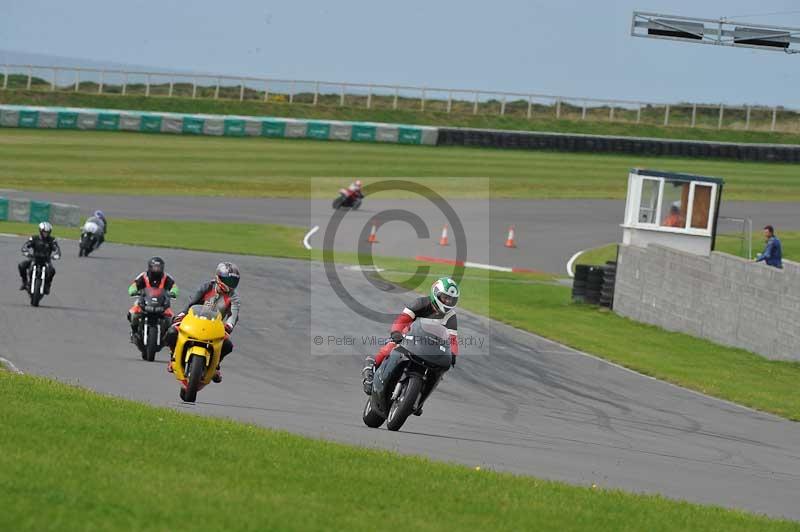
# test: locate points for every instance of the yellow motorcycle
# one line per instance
(197, 349)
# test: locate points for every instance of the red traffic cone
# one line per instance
(373, 235)
(511, 240)
(443, 240)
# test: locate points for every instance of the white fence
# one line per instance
(397, 97)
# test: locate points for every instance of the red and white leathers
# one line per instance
(421, 308)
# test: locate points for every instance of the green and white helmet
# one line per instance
(444, 294)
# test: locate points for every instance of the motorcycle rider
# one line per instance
(355, 189)
(100, 219)
(153, 277)
(439, 305)
(42, 245)
(221, 293)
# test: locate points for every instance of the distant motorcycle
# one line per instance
(37, 276)
(406, 378)
(154, 321)
(348, 199)
(90, 238)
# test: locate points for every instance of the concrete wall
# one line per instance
(722, 298)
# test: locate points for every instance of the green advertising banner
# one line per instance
(273, 128)
(150, 124)
(67, 120)
(28, 118)
(40, 212)
(108, 121)
(234, 128)
(192, 125)
(363, 133)
(318, 130)
(3, 209)
(409, 135)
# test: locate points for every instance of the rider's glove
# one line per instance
(452, 360)
(397, 337)
(178, 318)
(132, 290)
(173, 292)
(228, 328)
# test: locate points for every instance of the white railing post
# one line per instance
(5, 77)
(147, 86)
(449, 101)
(341, 96)
(530, 106)
(241, 90)
(125, 84)
(53, 82)
(721, 114)
(216, 90)
(503, 106)
(694, 114)
(369, 97)
(194, 88)
(396, 96)
(171, 87)
(316, 93)
(558, 108)
(747, 117)
(774, 118)
(639, 113)
(291, 92)
(475, 105)
(30, 75)
(666, 115)
(583, 110)
(77, 80)
(102, 82)
(266, 90)
(611, 113)
(422, 100)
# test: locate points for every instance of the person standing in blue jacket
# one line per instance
(773, 253)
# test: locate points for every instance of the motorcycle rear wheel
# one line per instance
(371, 418)
(197, 367)
(403, 406)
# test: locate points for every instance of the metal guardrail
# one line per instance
(382, 96)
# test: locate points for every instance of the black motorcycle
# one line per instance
(348, 199)
(408, 375)
(153, 322)
(37, 277)
(90, 239)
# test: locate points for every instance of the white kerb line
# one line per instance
(10, 365)
(309, 235)
(571, 261)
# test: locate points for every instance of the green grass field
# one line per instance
(543, 120)
(75, 460)
(527, 301)
(135, 163)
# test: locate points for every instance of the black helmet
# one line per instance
(227, 276)
(155, 269)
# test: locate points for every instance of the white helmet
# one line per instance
(45, 229)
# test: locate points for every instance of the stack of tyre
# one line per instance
(594, 284)
(609, 280)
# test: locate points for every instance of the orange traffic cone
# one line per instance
(373, 235)
(510, 241)
(444, 241)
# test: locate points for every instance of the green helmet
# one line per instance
(444, 294)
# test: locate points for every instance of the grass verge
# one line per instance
(130, 163)
(531, 302)
(103, 461)
(599, 126)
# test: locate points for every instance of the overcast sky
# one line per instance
(571, 47)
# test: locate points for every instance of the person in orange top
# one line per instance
(674, 218)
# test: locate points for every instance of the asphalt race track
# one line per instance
(524, 405)
(548, 232)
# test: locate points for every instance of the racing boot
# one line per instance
(368, 374)
(169, 366)
(217, 376)
(24, 285)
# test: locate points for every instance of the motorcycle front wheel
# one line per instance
(338, 202)
(152, 344)
(197, 367)
(403, 406)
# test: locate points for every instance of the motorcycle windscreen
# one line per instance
(154, 300)
(430, 342)
(202, 311)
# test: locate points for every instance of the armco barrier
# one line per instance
(27, 211)
(214, 125)
(606, 144)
